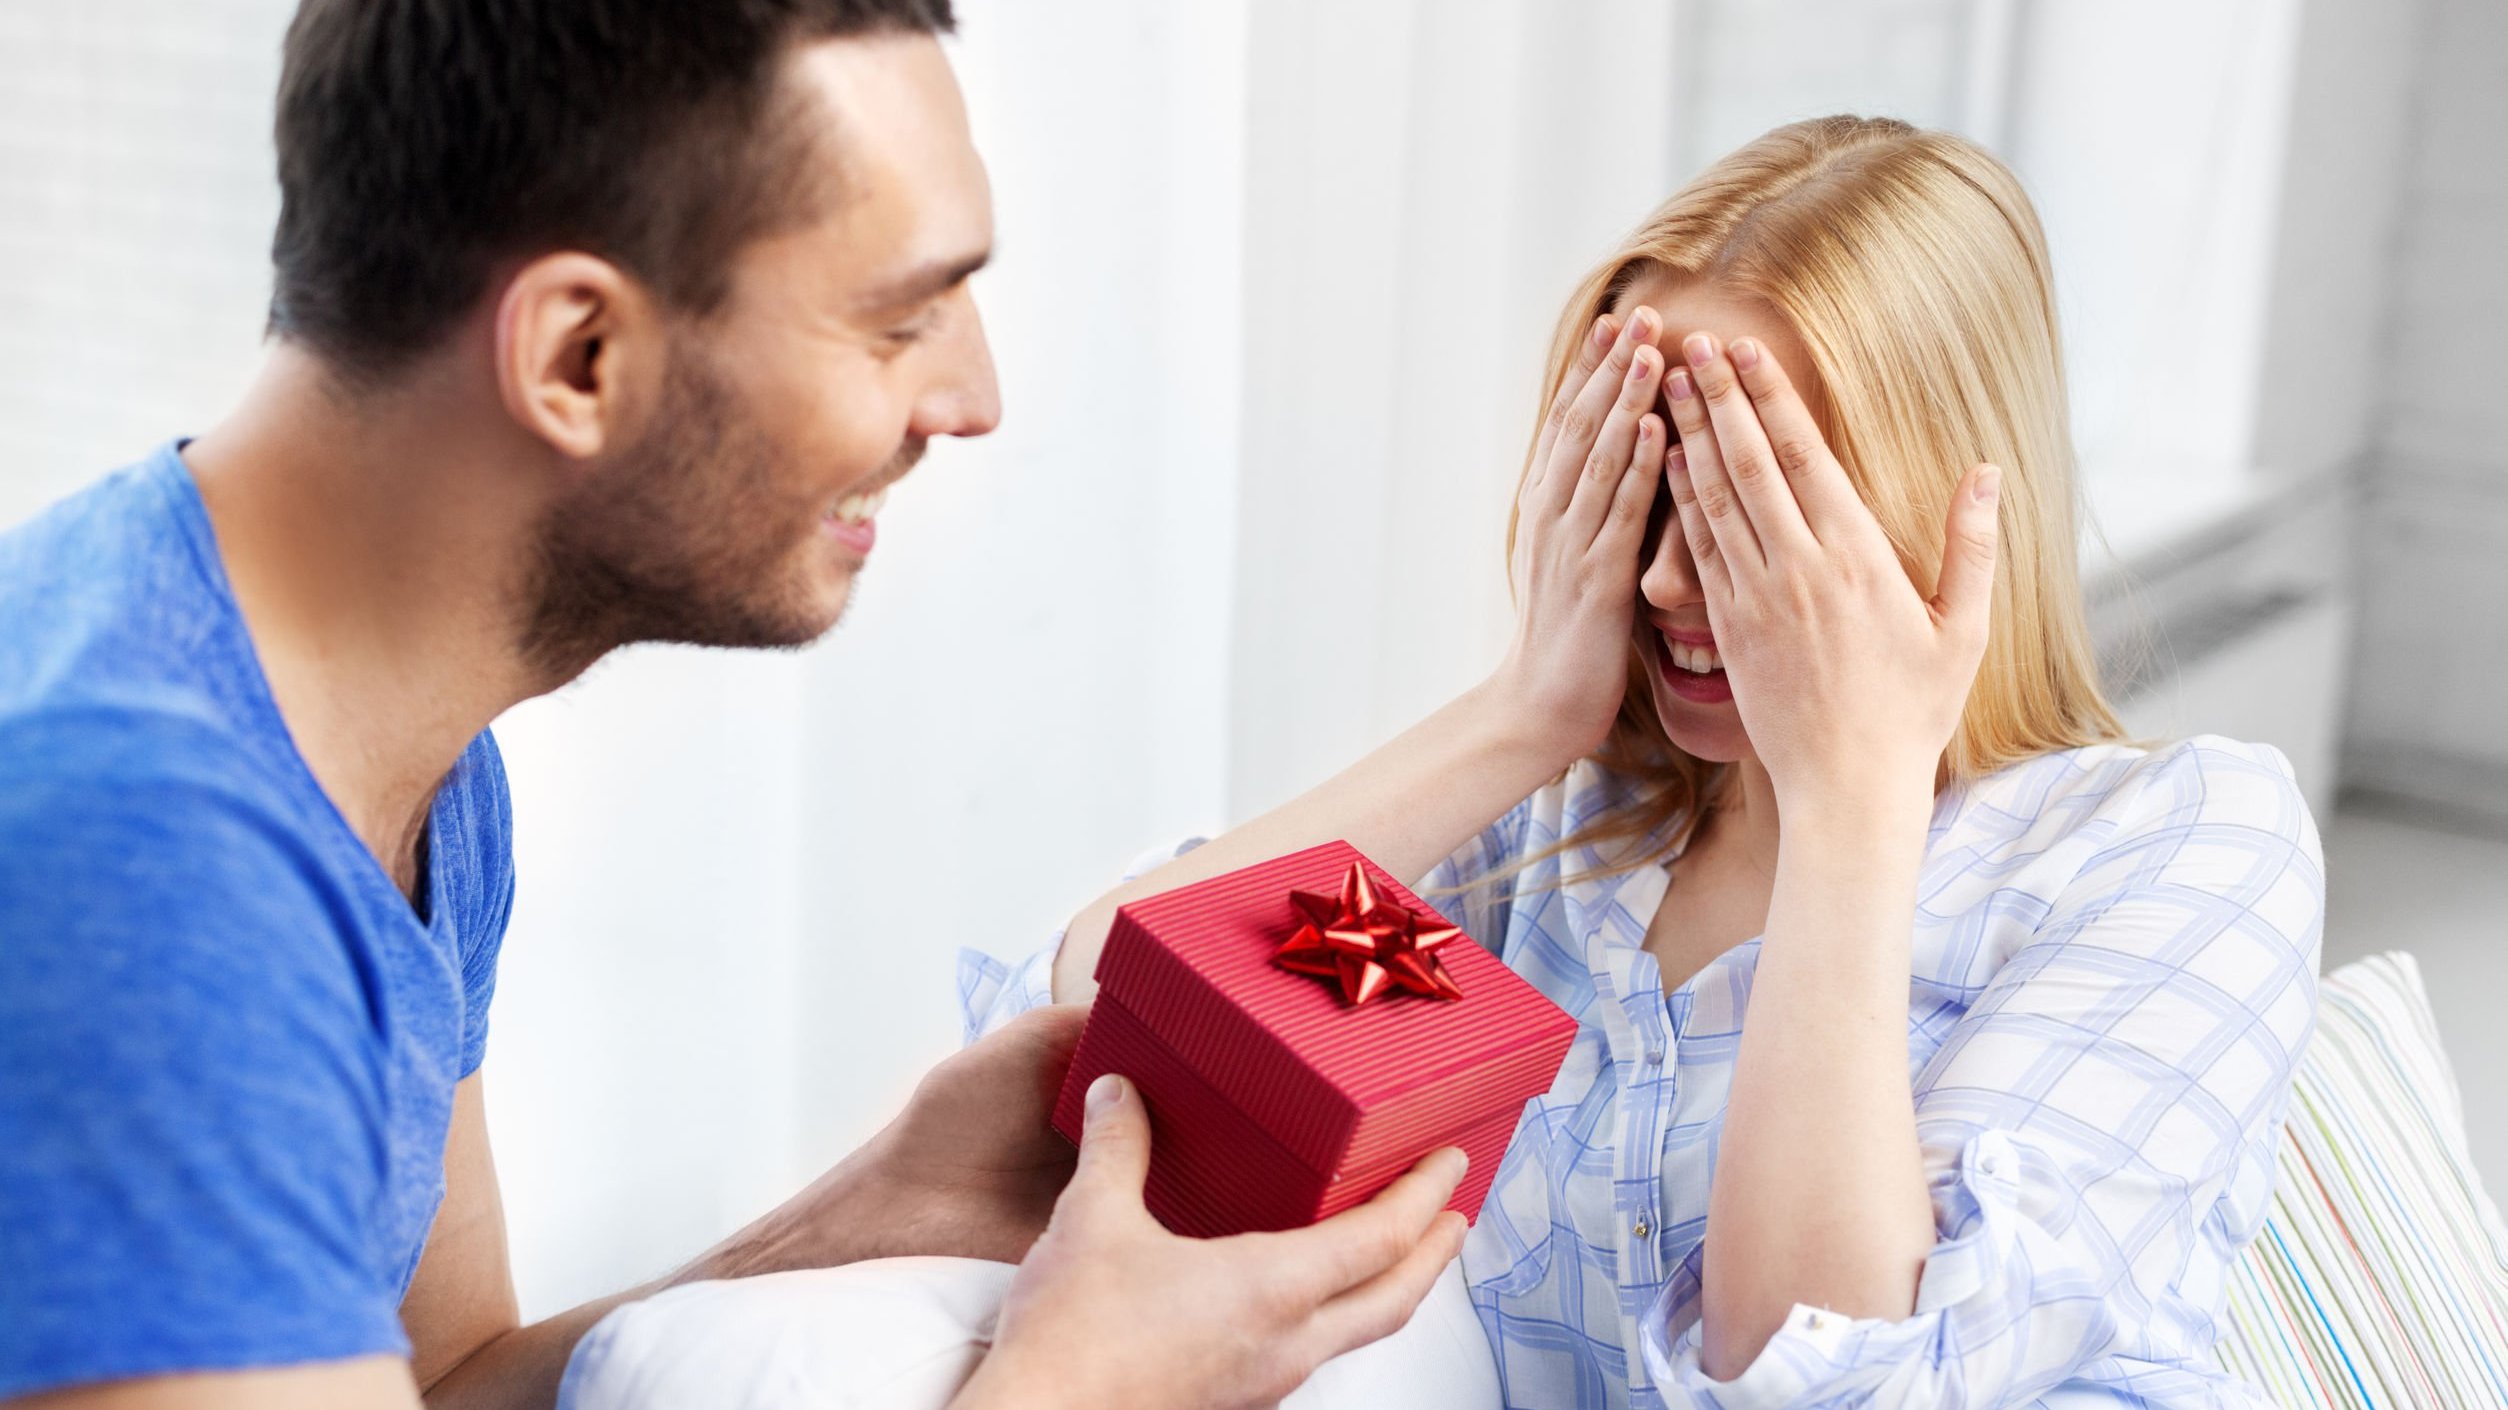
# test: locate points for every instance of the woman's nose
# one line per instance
(1670, 580)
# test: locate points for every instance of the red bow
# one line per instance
(1368, 943)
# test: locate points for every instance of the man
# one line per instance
(596, 321)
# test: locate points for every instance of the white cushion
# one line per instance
(2381, 1276)
(905, 1333)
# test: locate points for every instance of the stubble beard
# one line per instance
(689, 537)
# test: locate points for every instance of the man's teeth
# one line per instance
(1697, 660)
(855, 508)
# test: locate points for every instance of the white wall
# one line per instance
(136, 202)
(2429, 680)
(1425, 183)
(2431, 691)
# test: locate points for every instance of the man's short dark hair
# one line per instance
(421, 142)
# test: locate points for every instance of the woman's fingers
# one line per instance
(1710, 490)
(1704, 552)
(1742, 448)
(1598, 343)
(1606, 465)
(1793, 437)
(1574, 425)
(1963, 593)
(1624, 527)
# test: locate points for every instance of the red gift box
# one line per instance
(1275, 1100)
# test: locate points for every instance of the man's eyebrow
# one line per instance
(924, 281)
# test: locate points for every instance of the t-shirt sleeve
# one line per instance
(484, 819)
(191, 1123)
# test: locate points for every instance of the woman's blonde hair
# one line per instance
(1912, 267)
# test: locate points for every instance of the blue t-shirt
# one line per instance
(228, 1043)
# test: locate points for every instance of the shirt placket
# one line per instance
(1629, 991)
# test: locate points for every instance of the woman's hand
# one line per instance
(1580, 519)
(1849, 681)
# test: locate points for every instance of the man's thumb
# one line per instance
(1114, 1143)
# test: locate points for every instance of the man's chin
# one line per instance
(789, 621)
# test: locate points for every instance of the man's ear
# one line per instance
(576, 338)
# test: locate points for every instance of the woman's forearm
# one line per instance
(1407, 806)
(1819, 1193)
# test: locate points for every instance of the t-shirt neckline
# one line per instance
(191, 514)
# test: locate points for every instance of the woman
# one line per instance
(1934, 1038)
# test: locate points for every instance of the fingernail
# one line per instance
(1461, 1161)
(1676, 460)
(1745, 353)
(1602, 331)
(1105, 1094)
(1640, 366)
(1699, 349)
(1677, 386)
(1989, 484)
(1642, 324)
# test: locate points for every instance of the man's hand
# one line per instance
(1111, 1310)
(971, 1168)
(975, 1156)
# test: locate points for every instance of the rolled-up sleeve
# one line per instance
(2098, 1129)
(992, 992)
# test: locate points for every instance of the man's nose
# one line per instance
(965, 398)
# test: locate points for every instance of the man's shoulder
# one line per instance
(112, 593)
(109, 756)
(147, 830)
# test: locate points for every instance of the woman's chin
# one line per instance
(1709, 733)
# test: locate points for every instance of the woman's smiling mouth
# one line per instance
(1692, 669)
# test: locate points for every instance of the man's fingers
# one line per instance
(1114, 1147)
(1963, 593)
(1054, 1028)
(1340, 1253)
(1379, 1307)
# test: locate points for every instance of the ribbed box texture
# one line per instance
(1272, 1103)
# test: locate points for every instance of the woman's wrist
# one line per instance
(1865, 796)
(1512, 721)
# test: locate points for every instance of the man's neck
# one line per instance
(380, 553)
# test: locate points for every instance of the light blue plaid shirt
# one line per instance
(2114, 973)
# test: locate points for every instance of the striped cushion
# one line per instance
(2381, 1277)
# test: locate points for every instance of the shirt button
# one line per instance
(1653, 1056)
(1643, 1228)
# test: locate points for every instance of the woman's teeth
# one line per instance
(855, 508)
(1697, 660)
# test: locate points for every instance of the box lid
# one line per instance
(1339, 1085)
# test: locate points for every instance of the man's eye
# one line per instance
(907, 334)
